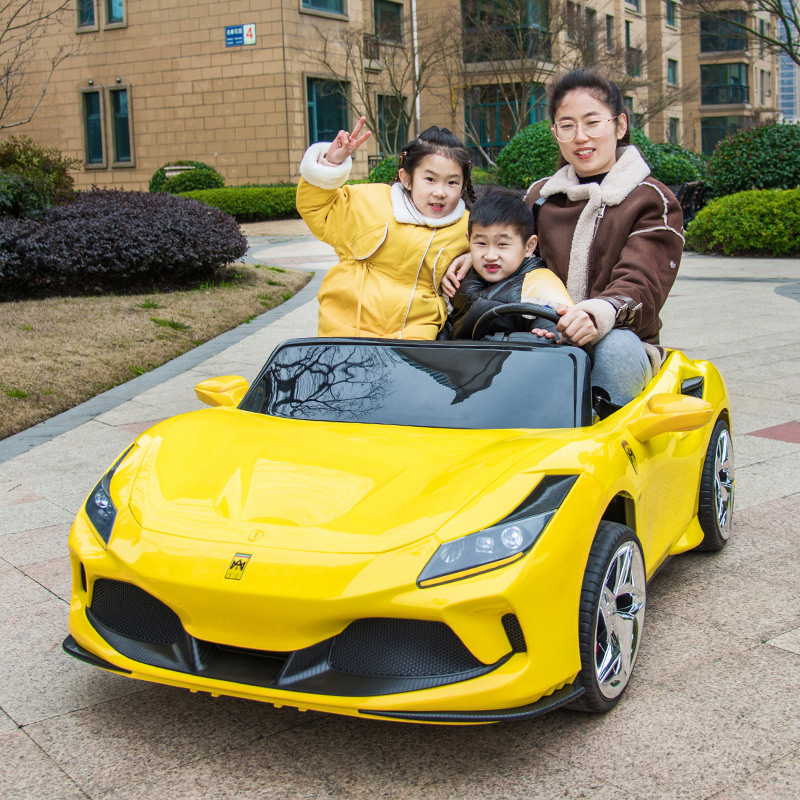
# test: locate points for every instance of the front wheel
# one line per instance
(715, 509)
(611, 616)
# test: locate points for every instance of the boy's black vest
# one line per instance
(476, 296)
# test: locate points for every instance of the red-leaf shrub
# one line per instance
(107, 238)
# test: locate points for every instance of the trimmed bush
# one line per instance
(763, 157)
(532, 154)
(484, 177)
(250, 204)
(762, 222)
(33, 177)
(105, 238)
(192, 180)
(385, 171)
(159, 180)
(646, 147)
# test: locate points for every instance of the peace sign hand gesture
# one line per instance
(345, 144)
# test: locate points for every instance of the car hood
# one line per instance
(233, 476)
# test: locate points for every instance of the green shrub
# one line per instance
(385, 171)
(648, 150)
(677, 165)
(250, 204)
(484, 177)
(764, 157)
(761, 222)
(159, 179)
(33, 177)
(532, 154)
(192, 180)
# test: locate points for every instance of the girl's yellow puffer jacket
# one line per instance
(387, 281)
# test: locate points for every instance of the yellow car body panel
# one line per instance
(340, 526)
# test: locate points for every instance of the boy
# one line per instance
(502, 241)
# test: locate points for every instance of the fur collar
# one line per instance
(626, 174)
(405, 211)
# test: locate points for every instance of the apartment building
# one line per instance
(246, 86)
(736, 73)
(788, 76)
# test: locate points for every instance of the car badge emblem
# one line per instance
(236, 567)
(631, 455)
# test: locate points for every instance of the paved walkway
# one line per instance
(713, 709)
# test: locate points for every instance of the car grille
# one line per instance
(400, 647)
(132, 612)
(514, 632)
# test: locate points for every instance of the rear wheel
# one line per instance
(611, 616)
(715, 509)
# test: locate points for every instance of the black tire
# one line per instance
(612, 546)
(715, 507)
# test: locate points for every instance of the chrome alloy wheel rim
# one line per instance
(723, 482)
(620, 616)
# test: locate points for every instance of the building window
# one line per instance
(490, 113)
(572, 21)
(492, 30)
(327, 110)
(762, 29)
(591, 34)
(671, 13)
(115, 12)
(391, 124)
(94, 154)
(724, 83)
(610, 36)
(674, 130)
(720, 34)
(633, 55)
(672, 72)
(333, 6)
(121, 126)
(388, 20)
(634, 4)
(714, 129)
(85, 18)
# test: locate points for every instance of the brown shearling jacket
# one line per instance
(616, 245)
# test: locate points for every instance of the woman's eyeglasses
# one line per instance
(568, 130)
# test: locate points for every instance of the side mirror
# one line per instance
(227, 390)
(670, 413)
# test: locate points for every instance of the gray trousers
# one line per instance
(621, 366)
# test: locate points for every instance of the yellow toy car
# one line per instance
(420, 531)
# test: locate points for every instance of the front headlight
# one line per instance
(100, 507)
(501, 544)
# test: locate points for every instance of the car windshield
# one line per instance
(434, 385)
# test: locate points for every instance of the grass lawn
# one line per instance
(59, 351)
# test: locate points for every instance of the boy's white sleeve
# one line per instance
(319, 172)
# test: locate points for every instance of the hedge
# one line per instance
(250, 204)
(105, 237)
(385, 171)
(762, 222)
(763, 157)
(159, 181)
(532, 154)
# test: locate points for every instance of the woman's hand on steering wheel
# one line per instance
(455, 273)
(345, 144)
(575, 326)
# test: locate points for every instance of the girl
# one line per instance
(394, 243)
(613, 234)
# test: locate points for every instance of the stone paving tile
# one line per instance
(12, 493)
(779, 781)
(37, 679)
(27, 773)
(769, 480)
(787, 641)
(36, 544)
(18, 591)
(748, 449)
(54, 575)
(677, 747)
(130, 412)
(158, 734)
(32, 515)
(137, 428)
(6, 723)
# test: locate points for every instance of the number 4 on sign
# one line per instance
(249, 34)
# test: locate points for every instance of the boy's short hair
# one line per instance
(503, 207)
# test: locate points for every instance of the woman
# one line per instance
(612, 234)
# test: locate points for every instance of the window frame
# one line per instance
(107, 24)
(307, 98)
(674, 122)
(321, 12)
(671, 69)
(118, 87)
(82, 92)
(611, 26)
(670, 15)
(376, 4)
(95, 26)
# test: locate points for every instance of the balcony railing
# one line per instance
(506, 43)
(721, 43)
(718, 95)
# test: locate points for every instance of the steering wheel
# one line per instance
(486, 319)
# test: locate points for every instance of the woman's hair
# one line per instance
(602, 89)
(438, 141)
